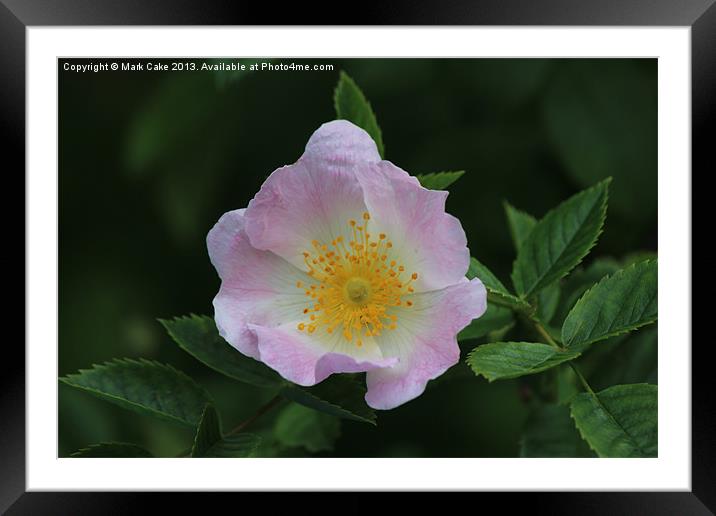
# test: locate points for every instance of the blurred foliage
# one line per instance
(148, 161)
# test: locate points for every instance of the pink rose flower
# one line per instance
(344, 263)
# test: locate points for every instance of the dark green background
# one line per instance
(149, 161)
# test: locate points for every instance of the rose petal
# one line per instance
(339, 143)
(305, 360)
(425, 341)
(425, 238)
(314, 198)
(257, 286)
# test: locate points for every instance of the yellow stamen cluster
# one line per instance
(354, 285)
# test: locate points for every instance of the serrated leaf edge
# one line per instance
(200, 318)
(349, 415)
(615, 333)
(595, 395)
(469, 358)
(67, 380)
(603, 210)
(508, 300)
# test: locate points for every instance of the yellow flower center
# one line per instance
(357, 291)
(355, 285)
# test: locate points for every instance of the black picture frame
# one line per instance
(17, 15)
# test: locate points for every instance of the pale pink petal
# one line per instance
(314, 198)
(222, 241)
(256, 286)
(426, 239)
(340, 143)
(306, 360)
(425, 341)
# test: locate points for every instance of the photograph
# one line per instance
(283, 257)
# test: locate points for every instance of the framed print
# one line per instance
(360, 258)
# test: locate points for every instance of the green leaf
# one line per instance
(497, 292)
(520, 223)
(235, 446)
(495, 318)
(146, 387)
(617, 304)
(559, 241)
(208, 441)
(508, 301)
(300, 426)
(351, 105)
(198, 336)
(550, 432)
(112, 450)
(620, 421)
(338, 395)
(501, 360)
(577, 283)
(208, 433)
(548, 301)
(439, 180)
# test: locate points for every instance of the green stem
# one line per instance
(494, 300)
(581, 378)
(552, 342)
(545, 335)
